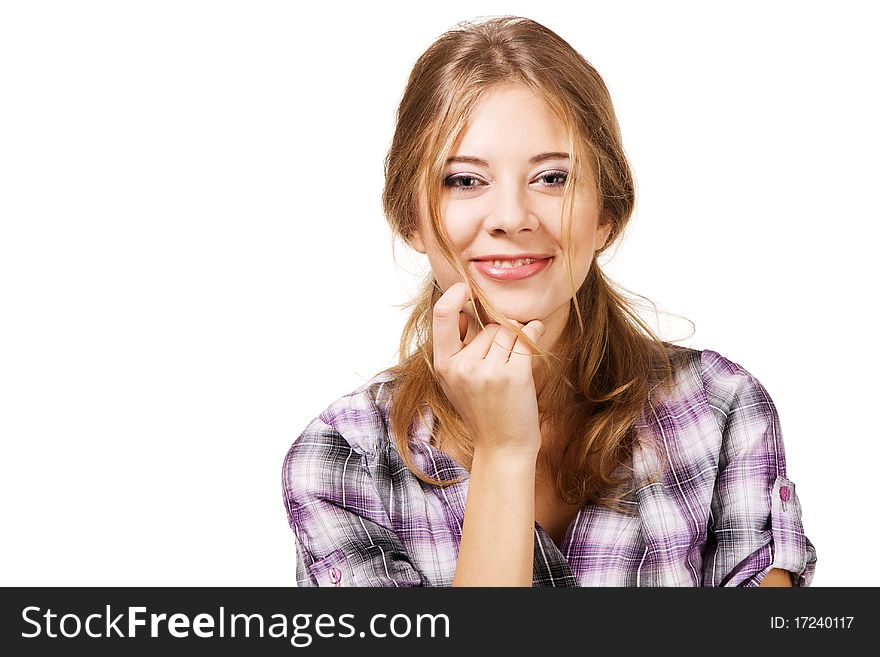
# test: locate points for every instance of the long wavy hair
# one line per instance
(608, 364)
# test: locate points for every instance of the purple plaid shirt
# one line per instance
(723, 514)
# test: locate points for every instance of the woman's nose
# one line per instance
(510, 210)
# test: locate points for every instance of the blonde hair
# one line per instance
(606, 368)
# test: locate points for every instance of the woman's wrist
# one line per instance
(506, 458)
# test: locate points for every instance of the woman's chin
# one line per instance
(515, 314)
(518, 312)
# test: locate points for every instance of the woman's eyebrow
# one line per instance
(470, 159)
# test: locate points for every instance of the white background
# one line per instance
(194, 261)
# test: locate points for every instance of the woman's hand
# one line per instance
(489, 380)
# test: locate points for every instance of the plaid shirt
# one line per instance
(723, 514)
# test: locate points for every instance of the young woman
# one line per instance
(535, 432)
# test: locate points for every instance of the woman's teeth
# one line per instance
(507, 264)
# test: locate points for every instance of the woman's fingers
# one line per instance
(499, 350)
(481, 344)
(496, 344)
(445, 324)
(520, 352)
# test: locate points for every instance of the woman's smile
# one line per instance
(511, 270)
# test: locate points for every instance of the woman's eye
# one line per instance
(462, 182)
(554, 178)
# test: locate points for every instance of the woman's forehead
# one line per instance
(512, 119)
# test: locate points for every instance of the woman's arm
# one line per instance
(498, 540)
(490, 383)
(755, 511)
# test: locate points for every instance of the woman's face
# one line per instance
(502, 200)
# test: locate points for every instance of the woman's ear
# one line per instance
(415, 241)
(603, 230)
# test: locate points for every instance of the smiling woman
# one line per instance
(535, 431)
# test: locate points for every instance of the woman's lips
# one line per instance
(511, 273)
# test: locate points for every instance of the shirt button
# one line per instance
(784, 493)
(335, 575)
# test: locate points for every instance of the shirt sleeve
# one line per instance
(342, 530)
(755, 521)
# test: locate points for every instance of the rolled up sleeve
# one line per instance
(756, 520)
(342, 531)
